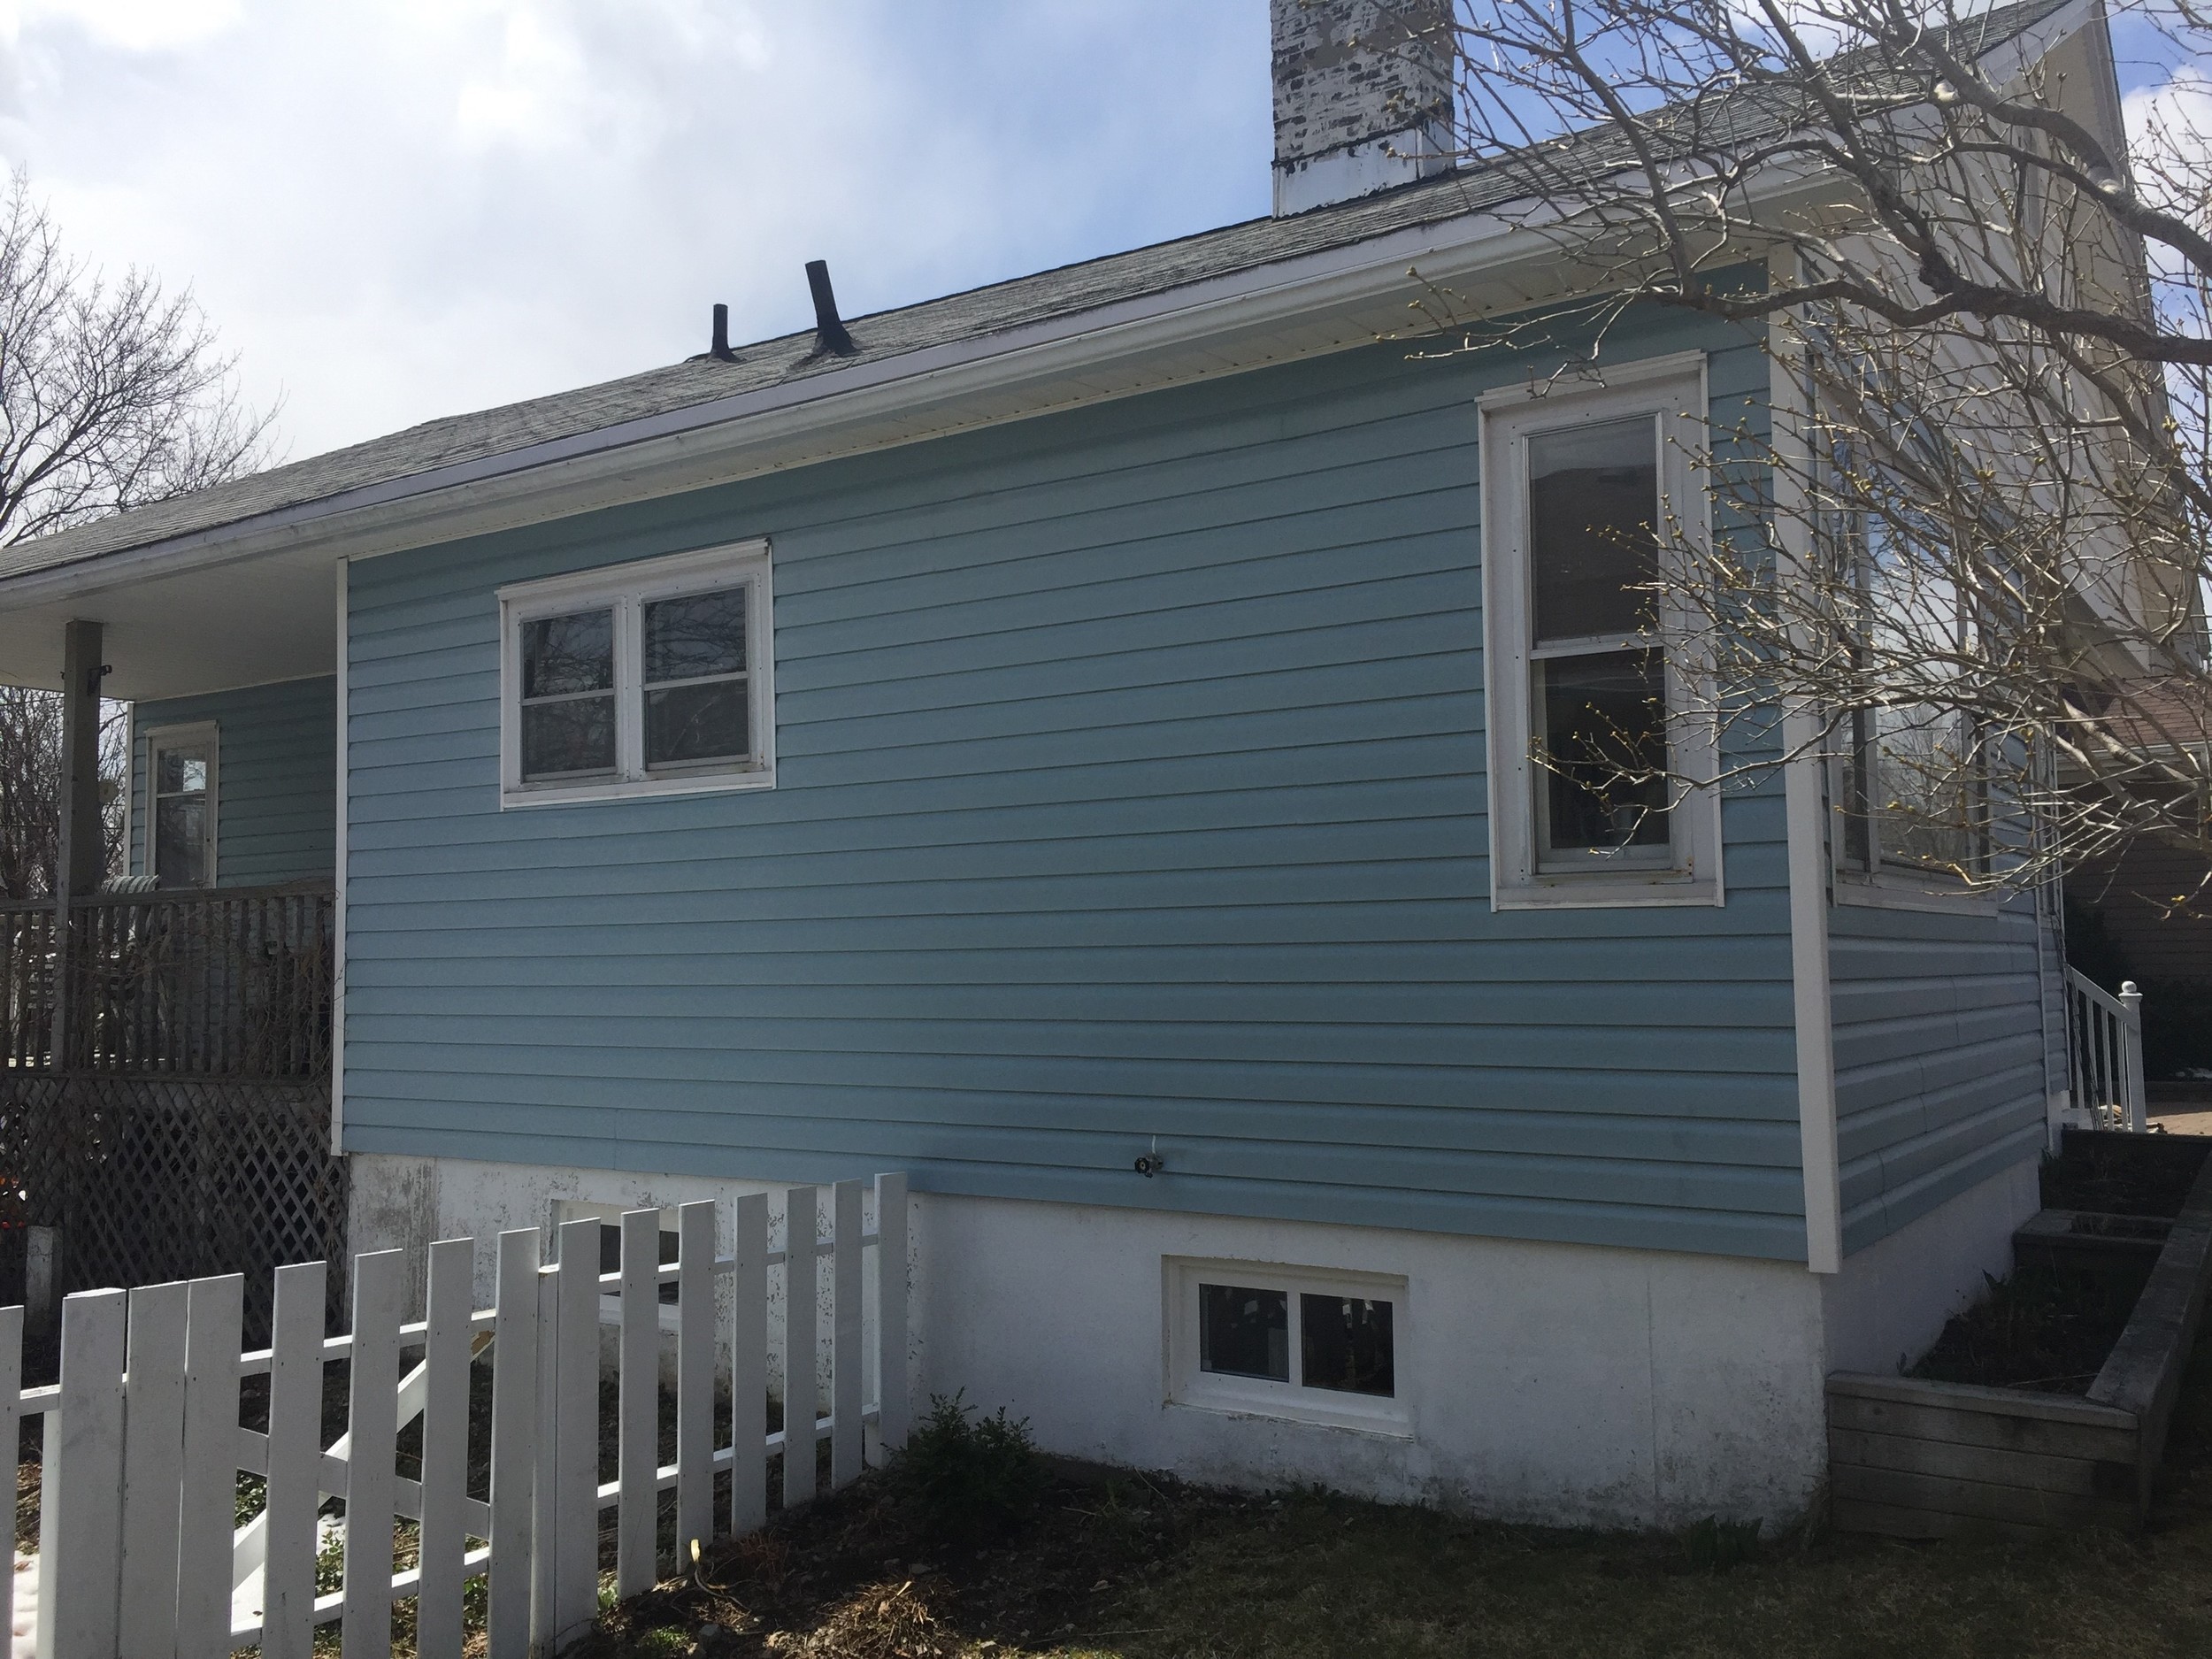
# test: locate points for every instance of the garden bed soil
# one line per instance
(2052, 1325)
(2108, 1173)
(1986, 1433)
(2049, 1329)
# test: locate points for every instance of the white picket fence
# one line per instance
(140, 1553)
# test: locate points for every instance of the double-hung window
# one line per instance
(181, 805)
(1594, 754)
(1914, 794)
(657, 678)
(1911, 779)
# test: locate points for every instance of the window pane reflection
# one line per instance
(573, 735)
(1921, 795)
(697, 722)
(1594, 506)
(180, 841)
(1244, 1332)
(1603, 716)
(181, 772)
(561, 655)
(696, 636)
(1344, 1344)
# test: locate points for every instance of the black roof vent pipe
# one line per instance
(829, 330)
(720, 348)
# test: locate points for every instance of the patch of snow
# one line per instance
(23, 1629)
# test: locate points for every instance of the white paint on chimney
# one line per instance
(1363, 97)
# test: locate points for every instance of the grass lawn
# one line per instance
(1148, 1570)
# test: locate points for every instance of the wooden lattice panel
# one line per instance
(155, 1178)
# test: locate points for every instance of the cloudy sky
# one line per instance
(397, 209)
(394, 209)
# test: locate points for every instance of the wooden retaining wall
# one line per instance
(1917, 1459)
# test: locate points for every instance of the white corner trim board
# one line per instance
(1805, 812)
(1812, 1000)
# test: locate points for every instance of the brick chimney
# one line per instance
(1362, 96)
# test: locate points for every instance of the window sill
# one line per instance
(640, 788)
(1589, 892)
(1897, 891)
(1228, 1403)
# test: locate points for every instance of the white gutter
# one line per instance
(722, 440)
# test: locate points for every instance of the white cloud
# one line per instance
(137, 25)
(2170, 140)
(396, 209)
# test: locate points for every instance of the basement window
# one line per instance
(1287, 1341)
(650, 678)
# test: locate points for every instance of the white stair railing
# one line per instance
(2105, 1036)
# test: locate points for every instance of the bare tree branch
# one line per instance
(112, 396)
(1978, 549)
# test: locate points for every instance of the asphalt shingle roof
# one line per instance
(1066, 291)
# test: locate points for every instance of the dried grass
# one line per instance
(891, 1620)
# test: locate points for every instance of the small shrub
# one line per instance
(969, 1476)
(1715, 1545)
(330, 1564)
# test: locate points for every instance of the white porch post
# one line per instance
(2134, 1105)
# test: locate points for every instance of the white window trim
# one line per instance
(194, 733)
(625, 588)
(1252, 1396)
(1895, 887)
(1899, 888)
(1672, 389)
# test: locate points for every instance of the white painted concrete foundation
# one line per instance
(1888, 1304)
(1563, 1384)
(406, 1203)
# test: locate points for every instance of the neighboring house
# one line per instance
(1085, 720)
(2144, 913)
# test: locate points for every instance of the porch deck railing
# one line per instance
(165, 1088)
(26, 984)
(227, 982)
(2105, 1037)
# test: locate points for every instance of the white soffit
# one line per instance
(248, 623)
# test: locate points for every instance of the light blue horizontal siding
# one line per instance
(1131, 783)
(276, 791)
(1939, 1057)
